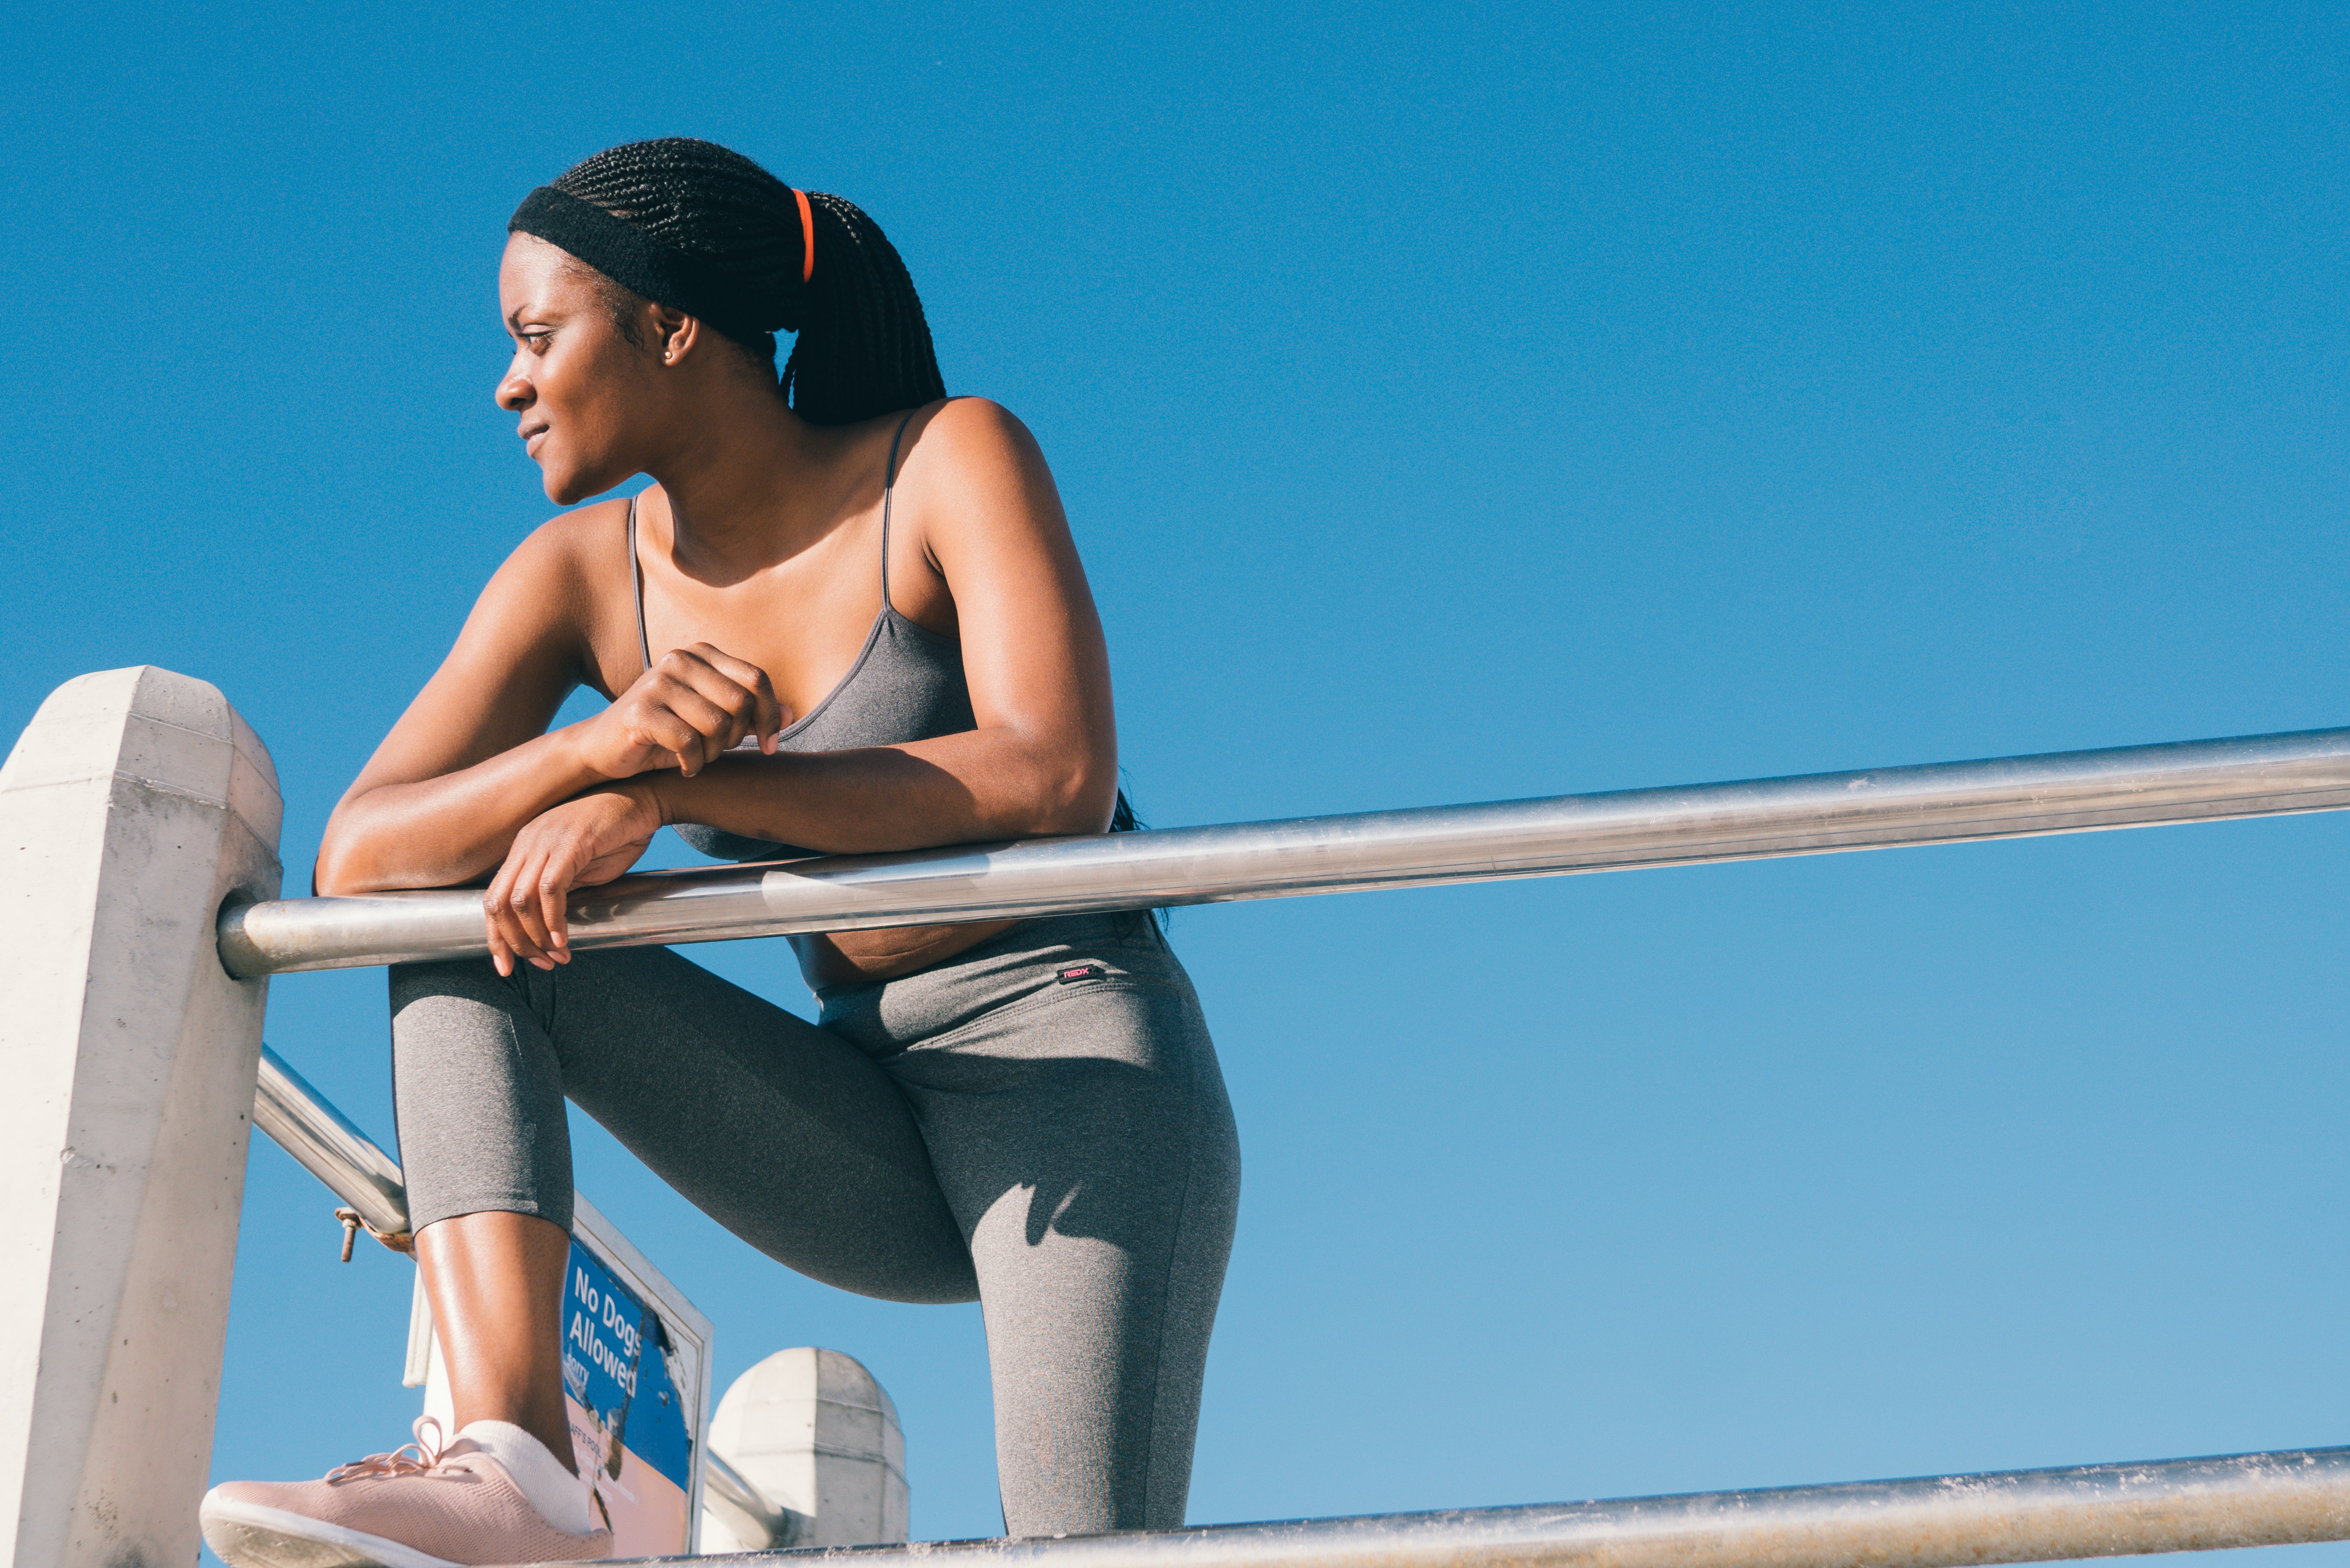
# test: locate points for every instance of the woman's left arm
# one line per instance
(1043, 757)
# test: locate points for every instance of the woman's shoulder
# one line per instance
(597, 529)
(586, 544)
(566, 580)
(967, 427)
(952, 445)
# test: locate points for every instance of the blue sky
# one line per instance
(1452, 402)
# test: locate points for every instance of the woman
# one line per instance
(846, 616)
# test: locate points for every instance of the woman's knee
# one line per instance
(470, 1050)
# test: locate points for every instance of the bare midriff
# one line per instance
(857, 957)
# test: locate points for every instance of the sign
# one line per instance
(628, 1426)
(636, 1359)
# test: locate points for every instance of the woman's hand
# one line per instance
(579, 843)
(691, 705)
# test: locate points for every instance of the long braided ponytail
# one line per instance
(729, 233)
(866, 350)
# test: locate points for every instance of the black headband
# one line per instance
(740, 307)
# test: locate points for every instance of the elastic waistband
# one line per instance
(884, 1017)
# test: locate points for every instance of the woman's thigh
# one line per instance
(787, 1135)
(1084, 1141)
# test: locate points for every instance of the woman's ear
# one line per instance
(674, 333)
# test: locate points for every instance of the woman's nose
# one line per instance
(513, 393)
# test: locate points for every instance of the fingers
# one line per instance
(765, 719)
(508, 945)
(729, 686)
(594, 837)
(502, 953)
(693, 728)
(699, 702)
(523, 908)
(508, 908)
(693, 705)
(553, 888)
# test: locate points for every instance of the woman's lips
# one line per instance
(530, 439)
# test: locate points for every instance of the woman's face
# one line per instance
(587, 400)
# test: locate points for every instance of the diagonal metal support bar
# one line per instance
(1941, 1521)
(330, 1146)
(1816, 813)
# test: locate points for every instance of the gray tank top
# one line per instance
(906, 685)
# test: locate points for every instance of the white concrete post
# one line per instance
(815, 1432)
(134, 804)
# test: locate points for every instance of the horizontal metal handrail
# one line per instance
(1815, 814)
(330, 1146)
(1941, 1521)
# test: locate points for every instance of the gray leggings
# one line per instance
(1038, 1123)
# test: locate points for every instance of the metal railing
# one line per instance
(327, 1145)
(1941, 1521)
(1816, 813)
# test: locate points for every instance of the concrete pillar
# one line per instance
(135, 802)
(815, 1432)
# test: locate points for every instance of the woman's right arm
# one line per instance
(472, 763)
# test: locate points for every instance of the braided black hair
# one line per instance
(864, 346)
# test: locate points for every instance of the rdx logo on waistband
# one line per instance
(1077, 971)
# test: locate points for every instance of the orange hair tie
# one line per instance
(807, 233)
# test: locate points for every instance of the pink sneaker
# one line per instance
(420, 1506)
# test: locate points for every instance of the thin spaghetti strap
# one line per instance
(636, 581)
(889, 484)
